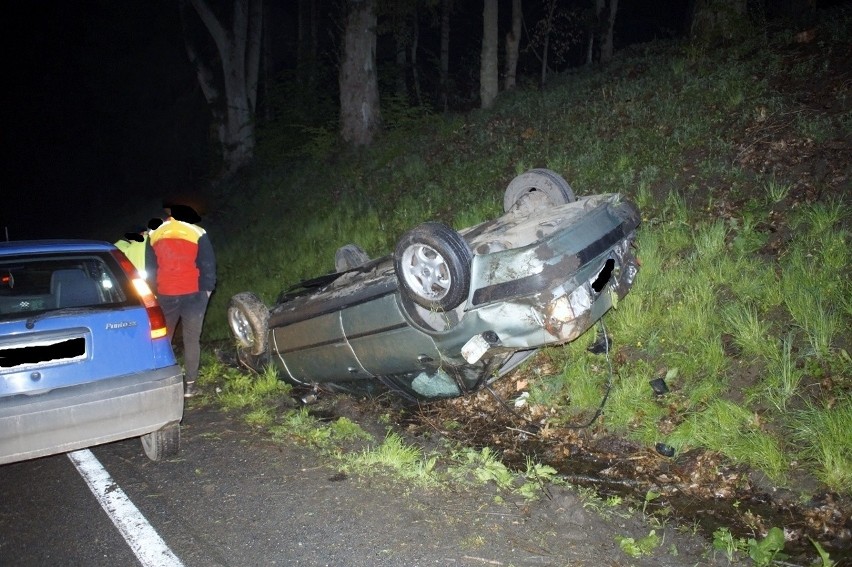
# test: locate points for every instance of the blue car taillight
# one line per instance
(156, 318)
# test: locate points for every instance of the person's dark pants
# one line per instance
(189, 309)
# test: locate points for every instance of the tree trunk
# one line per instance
(415, 75)
(266, 65)
(401, 75)
(513, 42)
(488, 70)
(548, 29)
(239, 52)
(360, 115)
(446, 6)
(607, 44)
(594, 31)
(306, 43)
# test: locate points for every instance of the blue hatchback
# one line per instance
(84, 353)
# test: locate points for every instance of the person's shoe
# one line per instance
(189, 389)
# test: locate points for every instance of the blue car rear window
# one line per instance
(30, 285)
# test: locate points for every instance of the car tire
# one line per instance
(556, 190)
(247, 319)
(163, 443)
(349, 257)
(432, 263)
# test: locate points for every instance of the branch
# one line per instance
(212, 24)
(205, 75)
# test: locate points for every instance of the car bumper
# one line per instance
(66, 419)
(553, 316)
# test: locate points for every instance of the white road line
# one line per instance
(145, 542)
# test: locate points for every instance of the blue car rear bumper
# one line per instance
(66, 419)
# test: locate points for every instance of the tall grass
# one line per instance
(729, 428)
(746, 325)
(823, 436)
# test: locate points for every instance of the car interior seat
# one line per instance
(73, 288)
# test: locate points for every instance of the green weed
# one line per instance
(536, 477)
(751, 333)
(631, 406)
(825, 558)
(823, 437)
(641, 547)
(735, 431)
(710, 241)
(766, 551)
(301, 425)
(609, 507)
(782, 377)
(485, 466)
(406, 461)
(724, 541)
(763, 552)
(776, 191)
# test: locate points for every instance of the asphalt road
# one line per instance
(218, 504)
(233, 498)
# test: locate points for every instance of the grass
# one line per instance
(731, 429)
(782, 377)
(234, 390)
(823, 435)
(406, 461)
(744, 287)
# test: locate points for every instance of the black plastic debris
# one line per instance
(665, 450)
(602, 344)
(659, 386)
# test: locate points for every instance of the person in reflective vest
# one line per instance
(181, 266)
(133, 244)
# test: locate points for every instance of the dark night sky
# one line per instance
(101, 111)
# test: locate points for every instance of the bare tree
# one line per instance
(513, 42)
(488, 70)
(360, 116)
(399, 19)
(548, 27)
(594, 30)
(609, 30)
(231, 91)
(446, 8)
(415, 41)
(553, 36)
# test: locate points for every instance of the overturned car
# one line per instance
(450, 311)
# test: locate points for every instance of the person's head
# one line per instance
(154, 223)
(135, 233)
(183, 213)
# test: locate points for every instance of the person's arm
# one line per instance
(206, 262)
(150, 266)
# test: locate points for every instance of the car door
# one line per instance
(383, 341)
(316, 350)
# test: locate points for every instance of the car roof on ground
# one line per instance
(55, 245)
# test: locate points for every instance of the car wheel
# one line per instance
(163, 443)
(539, 183)
(432, 263)
(247, 318)
(349, 257)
